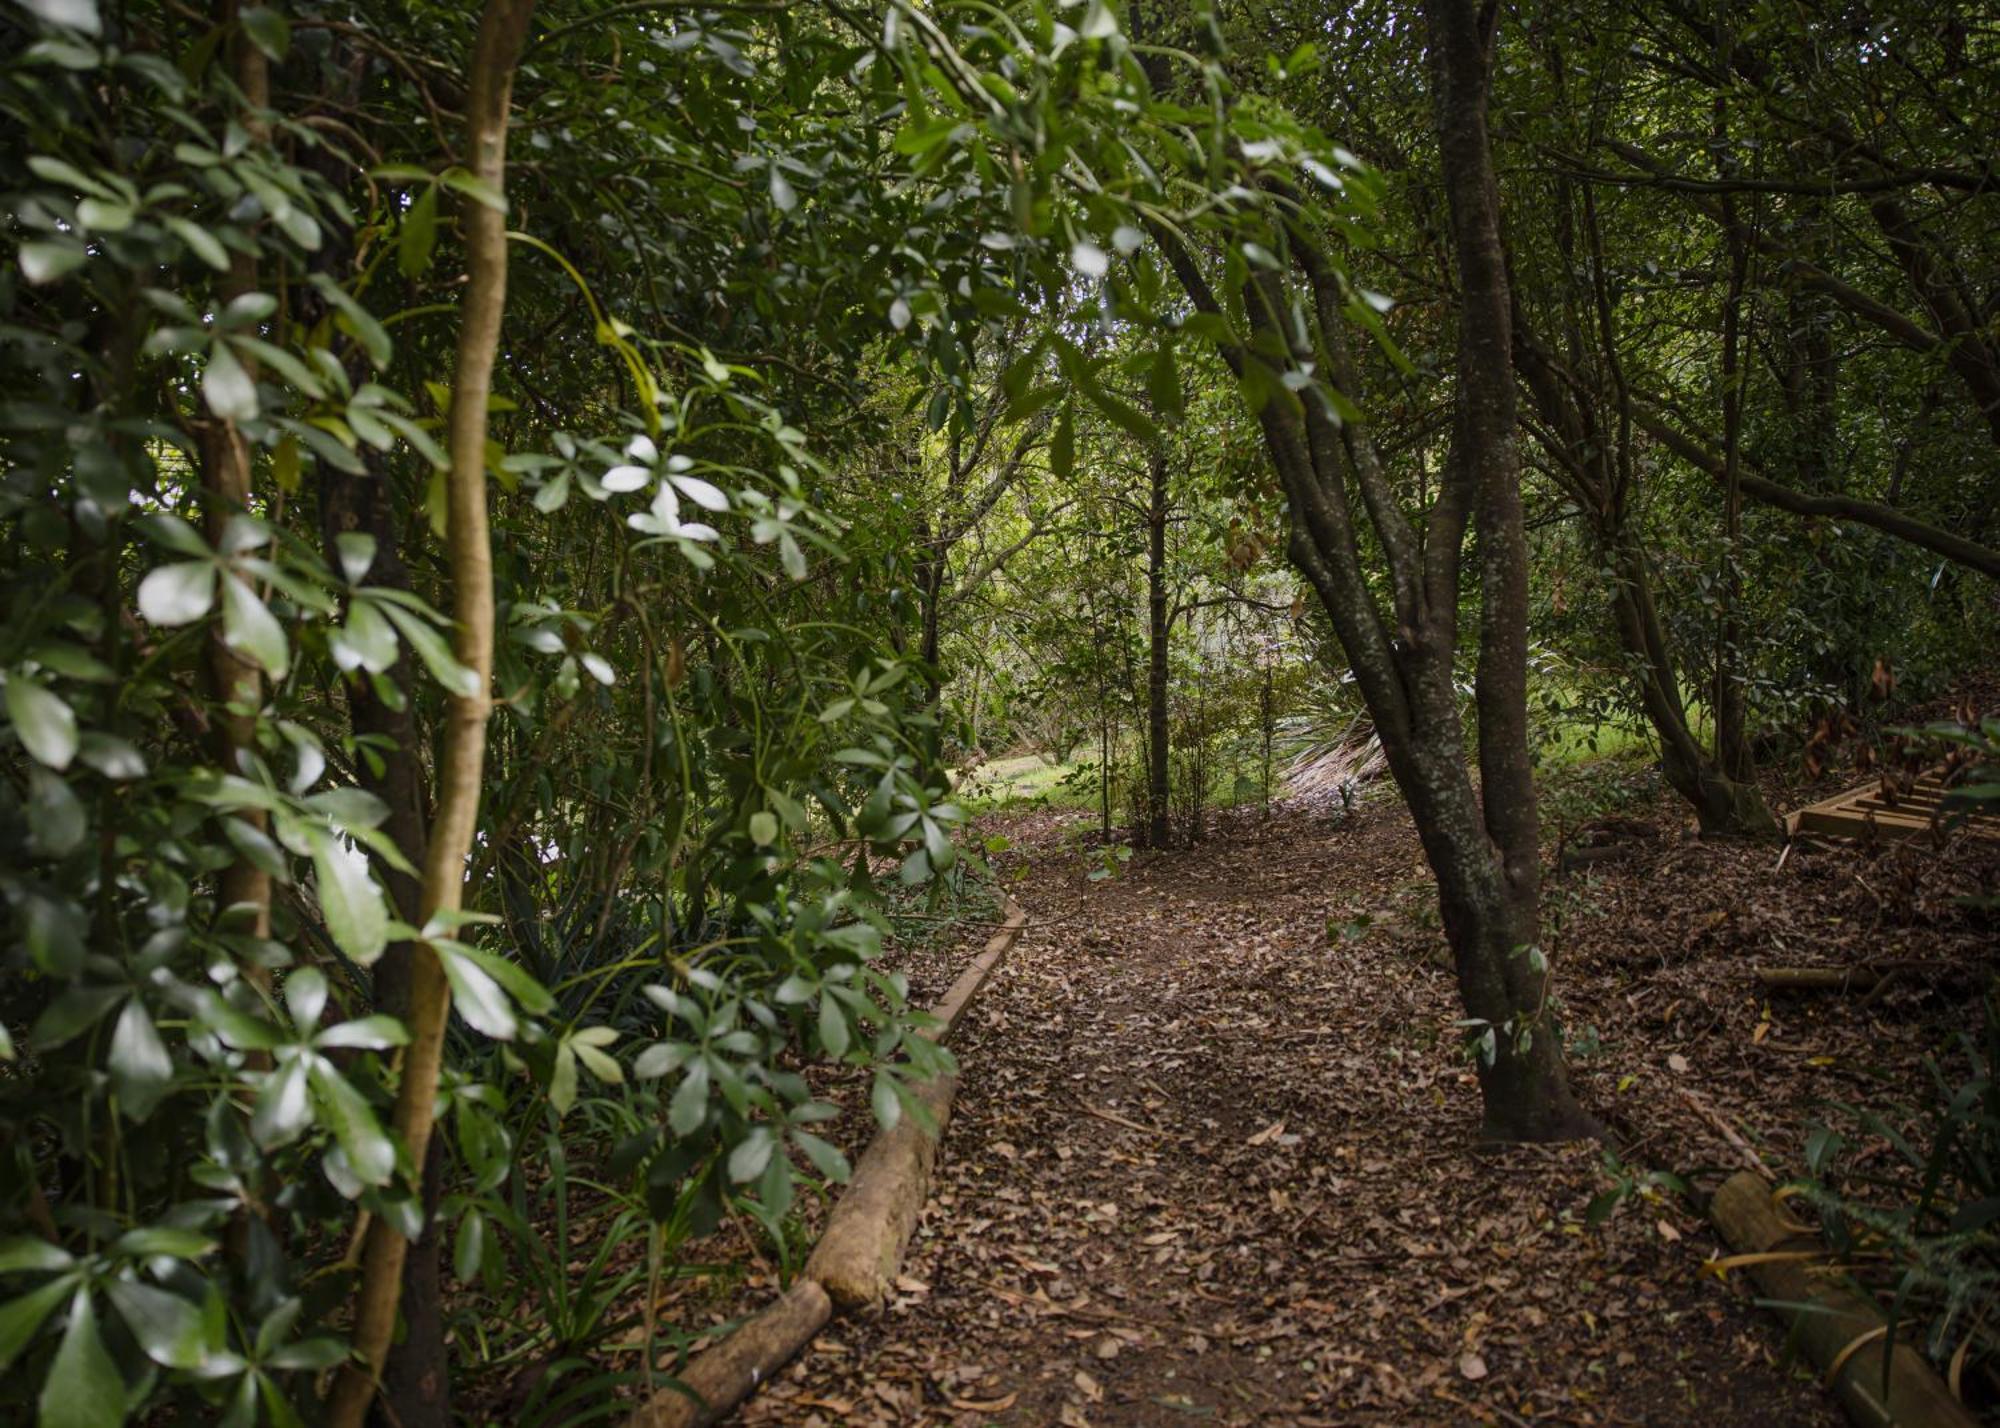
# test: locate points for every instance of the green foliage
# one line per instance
(1922, 1233)
(697, 711)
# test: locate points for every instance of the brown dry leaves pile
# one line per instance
(1212, 1160)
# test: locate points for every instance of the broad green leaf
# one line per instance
(469, 1253)
(1062, 448)
(356, 552)
(417, 240)
(371, 1155)
(689, 1107)
(57, 820)
(888, 1106)
(115, 758)
(46, 260)
(268, 30)
(662, 1058)
(368, 1033)
(752, 1154)
(834, 1034)
(168, 1328)
(367, 641)
(357, 914)
(84, 1388)
(200, 242)
(100, 215)
(283, 1105)
(826, 1158)
(151, 1241)
(76, 14)
(562, 1080)
(595, 1061)
(141, 1069)
(72, 1013)
(528, 994)
(476, 996)
(22, 1316)
(1163, 384)
(251, 629)
(306, 995)
(433, 651)
(178, 594)
(45, 724)
(469, 185)
(26, 1254)
(226, 385)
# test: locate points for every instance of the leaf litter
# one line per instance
(1213, 1161)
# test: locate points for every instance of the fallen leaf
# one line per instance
(1269, 1133)
(985, 1405)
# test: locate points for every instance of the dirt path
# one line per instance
(1210, 1165)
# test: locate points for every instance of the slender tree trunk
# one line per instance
(931, 566)
(1722, 805)
(1266, 727)
(416, 1381)
(1582, 453)
(235, 679)
(503, 29)
(1158, 833)
(1483, 851)
(1490, 894)
(1732, 743)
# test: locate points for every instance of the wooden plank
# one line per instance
(1867, 811)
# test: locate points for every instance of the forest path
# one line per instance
(1208, 1165)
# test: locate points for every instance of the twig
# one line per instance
(1116, 1119)
(1729, 1133)
(1102, 1316)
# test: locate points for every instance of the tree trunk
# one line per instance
(1732, 742)
(503, 28)
(1485, 857)
(1489, 876)
(416, 1381)
(1722, 805)
(1593, 460)
(1158, 833)
(235, 680)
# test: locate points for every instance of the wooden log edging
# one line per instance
(726, 1373)
(1843, 1335)
(859, 1252)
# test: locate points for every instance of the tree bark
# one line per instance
(1491, 899)
(1485, 857)
(416, 1381)
(1732, 742)
(235, 680)
(503, 27)
(1158, 833)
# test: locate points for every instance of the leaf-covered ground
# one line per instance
(1213, 1157)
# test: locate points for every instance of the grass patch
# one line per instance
(1028, 778)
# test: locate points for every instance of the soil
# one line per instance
(1213, 1158)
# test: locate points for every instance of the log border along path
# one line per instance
(860, 1251)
